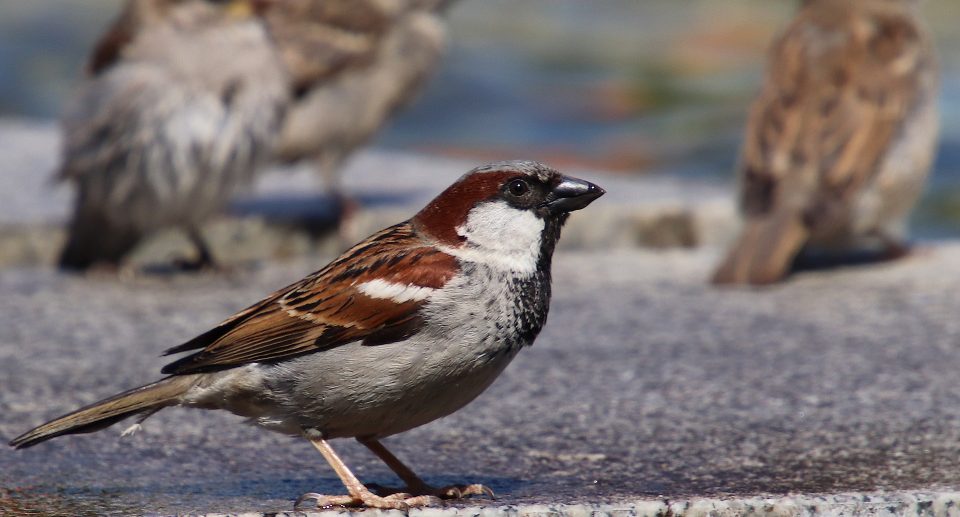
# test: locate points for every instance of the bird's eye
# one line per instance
(518, 187)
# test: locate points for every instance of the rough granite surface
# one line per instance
(648, 393)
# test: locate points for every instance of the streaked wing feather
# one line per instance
(327, 309)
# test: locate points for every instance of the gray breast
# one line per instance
(502, 310)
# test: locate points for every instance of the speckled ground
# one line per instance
(646, 386)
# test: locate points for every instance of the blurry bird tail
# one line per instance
(93, 241)
(765, 250)
(100, 415)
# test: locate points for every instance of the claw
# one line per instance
(477, 489)
(436, 494)
(304, 497)
(397, 501)
(462, 491)
(423, 493)
(360, 495)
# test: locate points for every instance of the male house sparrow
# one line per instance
(181, 106)
(404, 328)
(840, 140)
(353, 64)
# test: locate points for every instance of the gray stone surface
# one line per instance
(648, 392)
(655, 211)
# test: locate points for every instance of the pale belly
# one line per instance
(356, 390)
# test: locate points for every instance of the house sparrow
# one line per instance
(404, 328)
(353, 64)
(840, 140)
(181, 106)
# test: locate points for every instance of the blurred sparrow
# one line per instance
(181, 106)
(404, 328)
(840, 140)
(353, 64)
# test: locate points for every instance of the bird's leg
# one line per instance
(359, 495)
(204, 258)
(347, 206)
(416, 486)
(204, 255)
(893, 248)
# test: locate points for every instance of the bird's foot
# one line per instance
(896, 251)
(365, 498)
(203, 266)
(196, 265)
(462, 491)
(891, 247)
(442, 493)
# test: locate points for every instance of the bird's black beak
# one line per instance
(572, 194)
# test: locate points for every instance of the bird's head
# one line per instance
(506, 214)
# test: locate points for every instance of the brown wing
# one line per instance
(327, 309)
(839, 84)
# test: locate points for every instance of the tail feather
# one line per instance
(109, 411)
(764, 251)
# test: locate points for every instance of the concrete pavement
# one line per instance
(648, 392)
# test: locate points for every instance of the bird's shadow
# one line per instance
(820, 260)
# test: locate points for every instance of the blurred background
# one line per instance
(658, 87)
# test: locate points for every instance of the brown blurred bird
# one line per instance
(354, 63)
(840, 140)
(181, 106)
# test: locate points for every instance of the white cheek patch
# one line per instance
(501, 236)
(399, 293)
